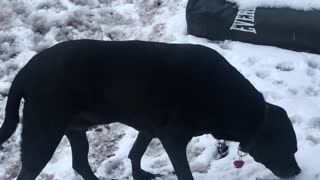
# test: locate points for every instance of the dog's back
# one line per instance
(145, 85)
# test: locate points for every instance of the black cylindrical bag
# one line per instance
(281, 27)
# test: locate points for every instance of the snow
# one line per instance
(286, 78)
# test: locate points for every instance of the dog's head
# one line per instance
(275, 143)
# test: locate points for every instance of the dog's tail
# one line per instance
(12, 110)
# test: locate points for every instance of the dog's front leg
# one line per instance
(135, 155)
(175, 145)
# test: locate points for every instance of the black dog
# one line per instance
(169, 91)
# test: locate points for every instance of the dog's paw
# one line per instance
(143, 175)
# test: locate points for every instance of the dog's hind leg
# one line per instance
(175, 145)
(80, 149)
(42, 131)
(138, 149)
(37, 148)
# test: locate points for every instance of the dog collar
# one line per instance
(252, 142)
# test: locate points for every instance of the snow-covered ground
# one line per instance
(286, 78)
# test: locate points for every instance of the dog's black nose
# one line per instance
(296, 170)
(293, 171)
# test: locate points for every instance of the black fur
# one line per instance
(169, 91)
